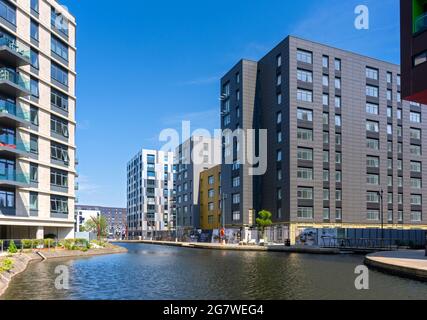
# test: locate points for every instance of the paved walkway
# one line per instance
(407, 263)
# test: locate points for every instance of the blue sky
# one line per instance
(147, 65)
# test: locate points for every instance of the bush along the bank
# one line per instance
(76, 244)
(12, 248)
(98, 244)
(6, 265)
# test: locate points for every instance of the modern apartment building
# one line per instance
(339, 138)
(193, 156)
(414, 50)
(37, 119)
(149, 193)
(210, 198)
(116, 218)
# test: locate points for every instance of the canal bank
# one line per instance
(235, 247)
(22, 260)
(405, 263)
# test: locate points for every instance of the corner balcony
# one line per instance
(14, 84)
(19, 149)
(14, 53)
(13, 116)
(14, 180)
(421, 23)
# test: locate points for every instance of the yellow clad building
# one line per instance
(210, 198)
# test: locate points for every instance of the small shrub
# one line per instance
(6, 265)
(12, 248)
(48, 243)
(27, 244)
(37, 243)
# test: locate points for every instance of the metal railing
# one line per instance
(30, 244)
(13, 109)
(18, 79)
(361, 243)
(15, 177)
(421, 23)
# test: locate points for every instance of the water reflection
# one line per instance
(154, 272)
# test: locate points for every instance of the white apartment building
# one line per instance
(83, 214)
(150, 193)
(37, 119)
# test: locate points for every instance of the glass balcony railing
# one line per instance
(13, 109)
(421, 22)
(18, 79)
(19, 146)
(15, 177)
(16, 46)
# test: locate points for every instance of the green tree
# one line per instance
(98, 225)
(12, 248)
(263, 221)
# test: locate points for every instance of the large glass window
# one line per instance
(372, 108)
(34, 87)
(59, 74)
(305, 154)
(35, 5)
(372, 91)
(34, 55)
(304, 75)
(371, 73)
(58, 204)
(34, 144)
(58, 178)
(59, 152)
(304, 95)
(304, 114)
(34, 30)
(305, 173)
(305, 56)
(59, 99)
(59, 48)
(34, 172)
(59, 21)
(305, 212)
(305, 193)
(372, 126)
(7, 11)
(7, 199)
(59, 126)
(34, 201)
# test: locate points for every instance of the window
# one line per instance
(34, 30)
(58, 99)
(279, 175)
(416, 200)
(389, 95)
(338, 195)
(305, 134)
(415, 117)
(338, 214)
(326, 175)
(338, 139)
(372, 197)
(59, 204)
(389, 129)
(338, 102)
(398, 80)
(34, 201)
(325, 156)
(59, 48)
(399, 114)
(34, 56)
(326, 214)
(371, 73)
(389, 112)
(338, 158)
(325, 118)
(58, 178)
(390, 146)
(338, 176)
(389, 164)
(416, 166)
(415, 150)
(325, 99)
(372, 108)
(35, 5)
(325, 62)
(59, 126)
(400, 147)
(279, 156)
(34, 144)
(373, 215)
(211, 180)
(325, 137)
(390, 181)
(305, 212)
(58, 21)
(305, 173)
(337, 83)
(279, 79)
(279, 61)
(420, 59)
(415, 133)
(400, 216)
(373, 179)
(416, 183)
(305, 193)
(7, 12)
(59, 74)
(325, 194)
(236, 198)
(373, 144)
(389, 78)
(59, 152)
(400, 182)
(304, 115)
(305, 76)
(236, 183)
(373, 162)
(279, 194)
(279, 98)
(304, 56)
(337, 64)
(34, 115)
(416, 216)
(236, 215)
(372, 126)
(390, 198)
(7, 198)
(372, 91)
(338, 121)
(34, 87)
(279, 118)
(325, 80)
(400, 198)
(305, 154)
(34, 173)
(304, 95)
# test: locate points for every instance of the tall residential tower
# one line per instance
(37, 119)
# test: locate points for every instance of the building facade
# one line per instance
(414, 50)
(210, 199)
(37, 119)
(191, 158)
(339, 137)
(150, 193)
(116, 218)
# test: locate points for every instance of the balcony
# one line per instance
(421, 23)
(12, 116)
(16, 150)
(14, 180)
(13, 83)
(14, 53)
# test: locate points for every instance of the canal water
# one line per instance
(155, 272)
